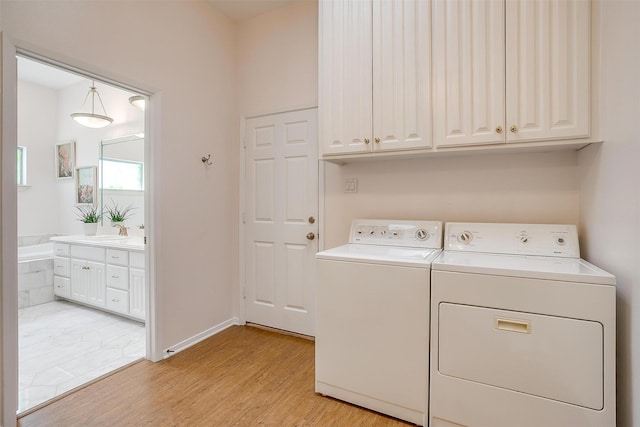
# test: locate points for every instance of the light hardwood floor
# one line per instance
(242, 376)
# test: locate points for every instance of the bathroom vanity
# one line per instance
(106, 272)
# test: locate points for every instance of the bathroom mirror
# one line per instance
(122, 177)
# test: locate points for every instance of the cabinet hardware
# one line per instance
(86, 268)
(311, 220)
(366, 140)
(115, 300)
(311, 236)
(115, 277)
(513, 128)
(377, 140)
(499, 129)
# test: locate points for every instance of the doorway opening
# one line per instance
(82, 288)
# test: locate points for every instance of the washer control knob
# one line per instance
(524, 239)
(372, 232)
(422, 234)
(383, 232)
(561, 241)
(465, 237)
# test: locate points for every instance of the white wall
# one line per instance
(609, 192)
(527, 187)
(185, 53)
(278, 59)
(37, 130)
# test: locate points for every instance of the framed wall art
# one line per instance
(65, 156)
(87, 185)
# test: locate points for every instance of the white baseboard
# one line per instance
(200, 337)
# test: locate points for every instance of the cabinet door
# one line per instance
(88, 282)
(345, 76)
(468, 63)
(136, 293)
(401, 74)
(548, 78)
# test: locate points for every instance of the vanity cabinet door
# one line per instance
(88, 282)
(137, 300)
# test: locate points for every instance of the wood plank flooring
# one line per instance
(242, 376)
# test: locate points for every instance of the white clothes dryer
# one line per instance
(522, 330)
(372, 317)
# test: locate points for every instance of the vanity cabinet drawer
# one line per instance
(118, 300)
(88, 253)
(117, 257)
(60, 249)
(137, 260)
(61, 266)
(62, 286)
(118, 277)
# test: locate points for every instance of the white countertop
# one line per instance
(135, 243)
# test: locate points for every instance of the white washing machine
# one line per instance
(372, 317)
(522, 330)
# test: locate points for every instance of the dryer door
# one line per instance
(547, 356)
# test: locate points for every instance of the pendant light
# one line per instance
(92, 120)
(137, 101)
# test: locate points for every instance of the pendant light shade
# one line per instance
(137, 101)
(93, 120)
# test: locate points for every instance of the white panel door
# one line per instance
(401, 74)
(468, 63)
(281, 166)
(548, 63)
(345, 76)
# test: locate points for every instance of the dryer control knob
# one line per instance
(422, 234)
(465, 237)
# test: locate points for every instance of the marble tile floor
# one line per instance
(63, 345)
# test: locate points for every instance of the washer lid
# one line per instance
(390, 255)
(530, 266)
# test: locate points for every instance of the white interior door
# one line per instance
(281, 203)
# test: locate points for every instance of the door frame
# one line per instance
(242, 314)
(8, 209)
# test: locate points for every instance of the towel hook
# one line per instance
(207, 160)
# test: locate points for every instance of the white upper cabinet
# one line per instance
(374, 76)
(513, 71)
(468, 59)
(548, 63)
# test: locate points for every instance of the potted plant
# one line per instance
(118, 214)
(89, 216)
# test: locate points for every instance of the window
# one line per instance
(122, 175)
(21, 165)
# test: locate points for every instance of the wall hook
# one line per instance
(207, 160)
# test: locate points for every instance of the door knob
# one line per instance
(311, 236)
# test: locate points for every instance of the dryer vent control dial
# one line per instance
(465, 237)
(422, 234)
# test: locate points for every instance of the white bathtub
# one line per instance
(35, 252)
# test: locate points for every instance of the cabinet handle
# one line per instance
(115, 257)
(115, 300)
(115, 277)
(499, 129)
(58, 286)
(86, 268)
(366, 140)
(377, 140)
(513, 128)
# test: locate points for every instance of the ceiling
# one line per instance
(46, 75)
(241, 10)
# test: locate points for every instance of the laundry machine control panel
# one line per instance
(417, 234)
(518, 239)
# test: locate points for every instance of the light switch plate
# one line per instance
(350, 185)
